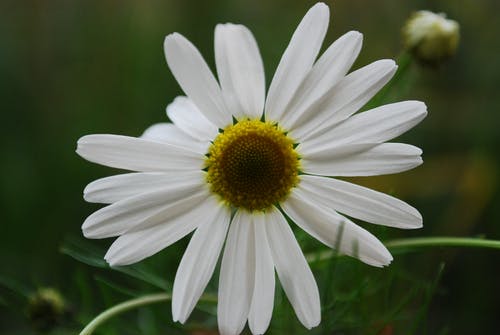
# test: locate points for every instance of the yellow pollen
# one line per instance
(252, 165)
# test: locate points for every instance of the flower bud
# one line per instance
(46, 308)
(430, 37)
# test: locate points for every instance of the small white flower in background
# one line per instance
(233, 162)
(432, 38)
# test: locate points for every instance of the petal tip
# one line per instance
(91, 230)
(387, 258)
(112, 260)
(172, 38)
(168, 38)
(354, 34)
(417, 106)
(320, 10)
(88, 233)
(81, 142)
(382, 261)
(176, 317)
(418, 221)
(321, 6)
(313, 323)
(423, 108)
(388, 64)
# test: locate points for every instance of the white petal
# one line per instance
(145, 210)
(374, 126)
(185, 115)
(137, 154)
(240, 70)
(297, 60)
(115, 188)
(135, 246)
(237, 272)
(360, 202)
(330, 68)
(198, 263)
(170, 134)
(293, 271)
(334, 230)
(261, 308)
(349, 95)
(196, 79)
(361, 159)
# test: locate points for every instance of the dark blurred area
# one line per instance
(75, 67)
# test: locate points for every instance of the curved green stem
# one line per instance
(443, 242)
(123, 307)
(131, 304)
(421, 242)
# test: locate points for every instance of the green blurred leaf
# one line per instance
(117, 287)
(15, 286)
(91, 255)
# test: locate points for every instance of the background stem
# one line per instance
(420, 242)
(123, 307)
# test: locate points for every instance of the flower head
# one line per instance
(234, 162)
(432, 38)
(46, 309)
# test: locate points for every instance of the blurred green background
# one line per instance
(75, 67)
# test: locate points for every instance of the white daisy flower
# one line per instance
(234, 163)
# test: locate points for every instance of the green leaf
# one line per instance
(15, 286)
(92, 255)
(117, 287)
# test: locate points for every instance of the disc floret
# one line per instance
(252, 165)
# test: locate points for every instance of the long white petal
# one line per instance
(198, 263)
(173, 135)
(349, 95)
(330, 68)
(145, 209)
(240, 70)
(374, 126)
(134, 246)
(261, 308)
(115, 188)
(360, 202)
(237, 272)
(196, 79)
(137, 154)
(334, 230)
(361, 159)
(185, 115)
(293, 271)
(297, 60)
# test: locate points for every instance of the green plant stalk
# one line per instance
(404, 62)
(394, 244)
(421, 242)
(123, 307)
(443, 242)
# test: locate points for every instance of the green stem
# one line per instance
(123, 307)
(420, 242)
(404, 61)
(443, 242)
(131, 304)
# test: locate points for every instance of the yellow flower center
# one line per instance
(252, 165)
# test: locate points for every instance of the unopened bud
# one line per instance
(430, 37)
(46, 308)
